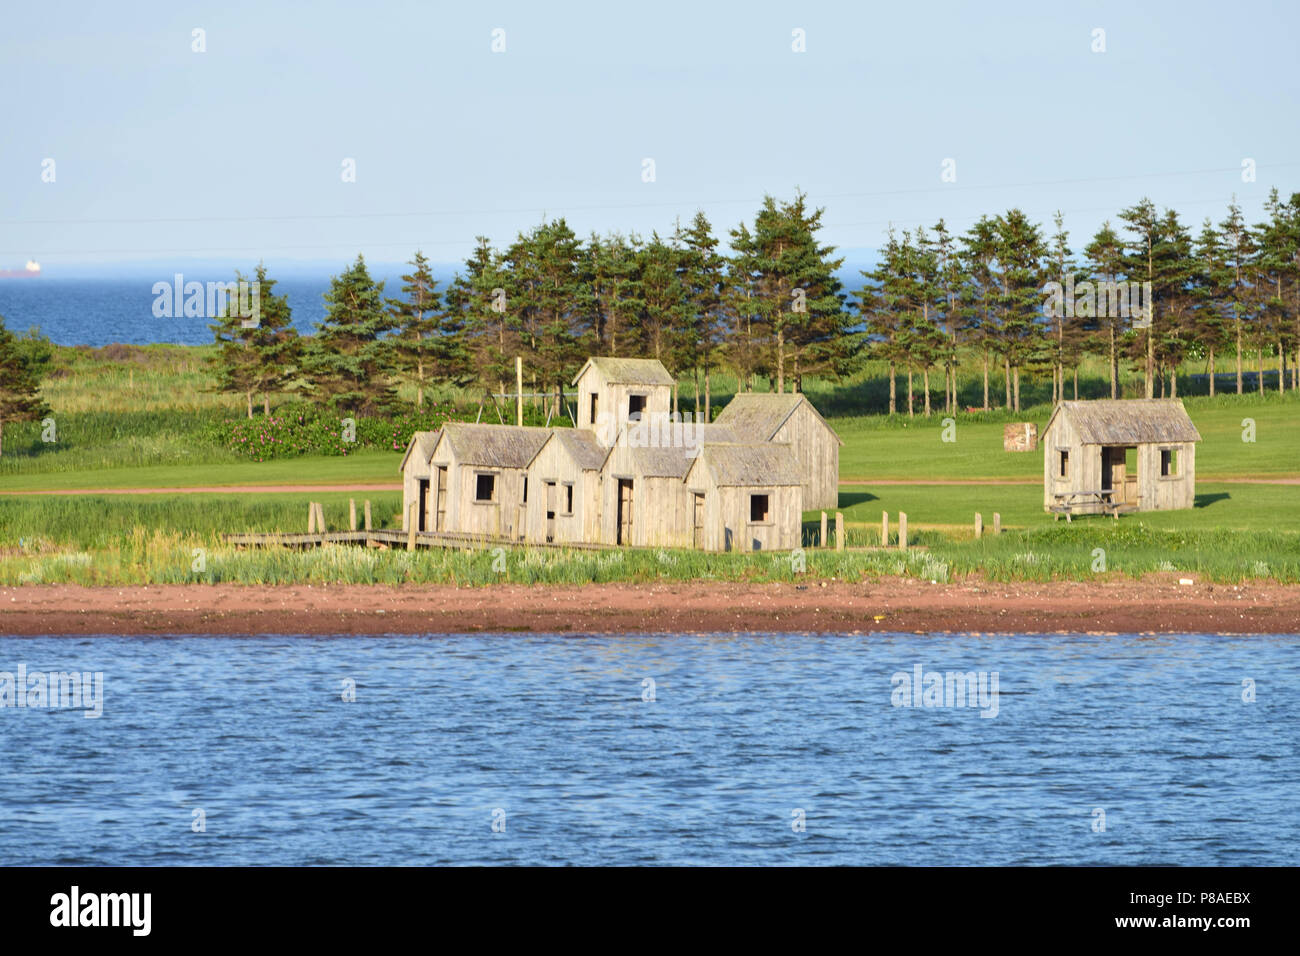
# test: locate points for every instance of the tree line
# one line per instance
(772, 307)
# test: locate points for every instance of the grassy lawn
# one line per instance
(364, 467)
(951, 508)
(878, 447)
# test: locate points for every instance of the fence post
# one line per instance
(902, 530)
(311, 517)
(979, 526)
(367, 510)
(823, 541)
(839, 531)
(320, 517)
(352, 514)
(410, 527)
(997, 523)
(884, 529)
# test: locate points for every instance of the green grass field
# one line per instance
(134, 418)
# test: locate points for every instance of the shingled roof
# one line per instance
(1133, 421)
(423, 444)
(666, 449)
(581, 444)
(760, 415)
(750, 464)
(500, 446)
(627, 371)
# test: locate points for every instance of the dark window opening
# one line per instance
(1065, 464)
(635, 407)
(485, 488)
(1168, 462)
(568, 499)
(758, 508)
(525, 489)
(595, 406)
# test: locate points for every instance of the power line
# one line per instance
(320, 217)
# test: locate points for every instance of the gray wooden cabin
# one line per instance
(415, 475)
(613, 391)
(745, 497)
(643, 499)
(1142, 452)
(477, 479)
(564, 487)
(791, 419)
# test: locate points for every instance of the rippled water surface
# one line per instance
(551, 737)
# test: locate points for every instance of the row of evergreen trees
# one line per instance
(773, 307)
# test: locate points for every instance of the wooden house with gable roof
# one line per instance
(745, 497)
(789, 418)
(1113, 455)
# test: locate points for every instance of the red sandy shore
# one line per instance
(1148, 606)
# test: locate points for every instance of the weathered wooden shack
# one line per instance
(1113, 455)
(564, 482)
(415, 477)
(613, 391)
(477, 479)
(745, 497)
(643, 499)
(791, 419)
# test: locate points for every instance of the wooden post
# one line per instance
(367, 514)
(979, 526)
(320, 517)
(352, 514)
(839, 531)
(410, 527)
(824, 542)
(902, 530)
(997, 523)
(311, 517)
(519, 391)
(884, 529)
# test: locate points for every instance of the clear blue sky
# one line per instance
(461, 140)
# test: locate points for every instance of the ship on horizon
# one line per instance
(30, 271)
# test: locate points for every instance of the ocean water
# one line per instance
(101, 311)
(553, 740)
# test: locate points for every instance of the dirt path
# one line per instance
(892, 605)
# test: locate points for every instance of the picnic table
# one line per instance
(1067, 502)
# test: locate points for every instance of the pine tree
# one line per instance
(350, 360)
(256, 353)
(1106, 258)
(702, 271)
(476, 301)
(20, 383)
(428, 346)
(1238, 248)
(1209, 279)
(979, 256)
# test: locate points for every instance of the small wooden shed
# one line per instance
(745, 497)
(564, 483)
(1119, 455)
(790, 419)
(415, 476)
(477, 478)
(643, 499)
(612, 391)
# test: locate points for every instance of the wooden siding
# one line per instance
(817, 451)
(612, 399)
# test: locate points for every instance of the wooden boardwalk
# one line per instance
(392, 538)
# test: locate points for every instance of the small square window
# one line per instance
(635, 407)
(1168, 462)
(485, 487)
(759, 508)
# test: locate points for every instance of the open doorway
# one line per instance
(422, 509)
(623, 531)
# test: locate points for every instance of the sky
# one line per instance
(164, 155)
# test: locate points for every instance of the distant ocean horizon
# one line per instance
(98, 311)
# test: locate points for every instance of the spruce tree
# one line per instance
(20, 383)
(350, 360)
